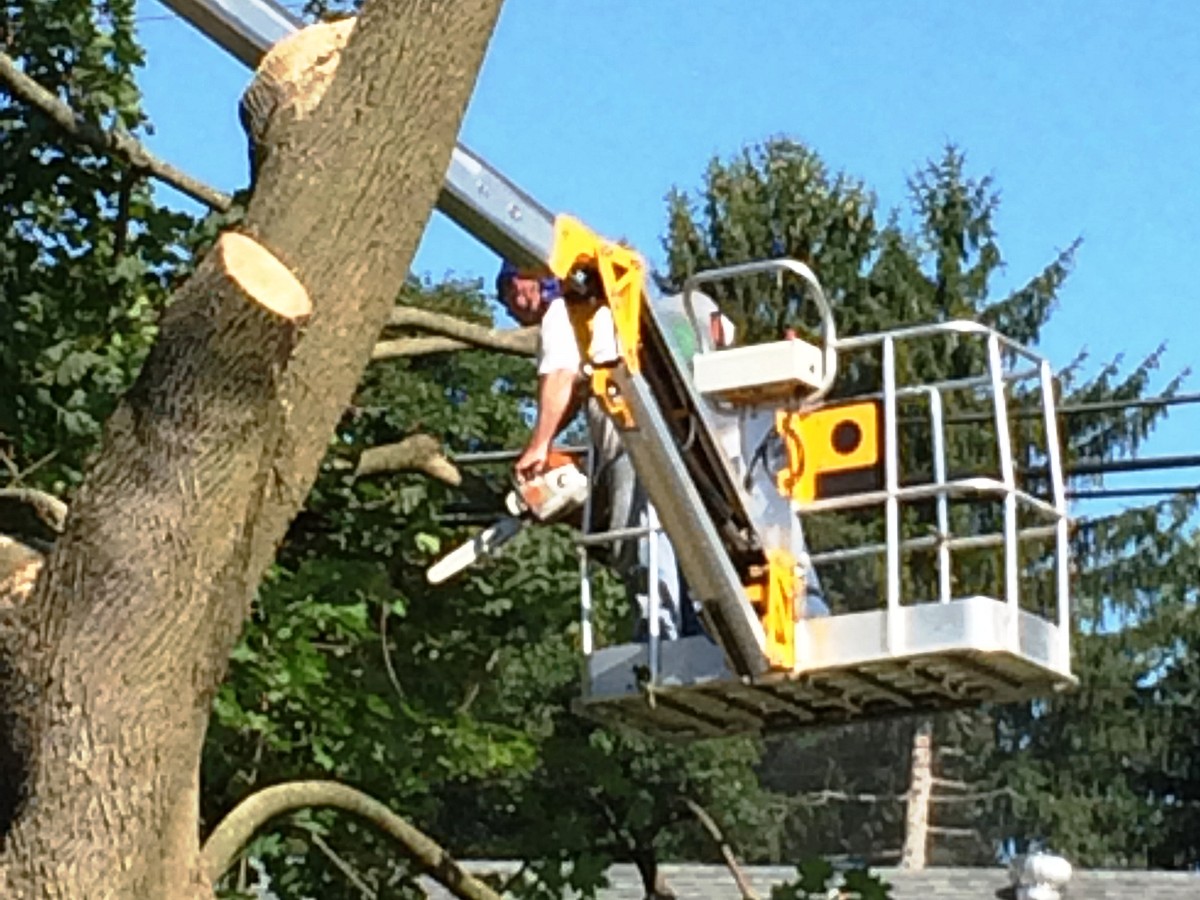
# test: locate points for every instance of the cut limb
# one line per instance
(109, 667)
(19, 568)
(226, 842)
(262, 278)
(418, 452)
(290, 83)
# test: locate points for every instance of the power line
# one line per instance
(1123, 466)
(1068, 409)
(1115, 493)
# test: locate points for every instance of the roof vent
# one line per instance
(1039, 876)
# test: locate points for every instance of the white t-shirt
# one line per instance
(557, 348)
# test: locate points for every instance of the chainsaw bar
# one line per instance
(487, 543)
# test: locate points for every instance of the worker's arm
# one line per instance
(556, 402)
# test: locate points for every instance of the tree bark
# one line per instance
(108, 669)
(920, 789)
(654, 882)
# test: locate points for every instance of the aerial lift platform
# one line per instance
(741, 450)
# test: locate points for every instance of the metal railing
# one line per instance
(1005, 365)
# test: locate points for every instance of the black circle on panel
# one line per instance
(846, 437)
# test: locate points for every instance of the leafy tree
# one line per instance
(85, 254)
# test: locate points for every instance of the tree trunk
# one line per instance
(654, 883)
(920, 789)
(108, 668)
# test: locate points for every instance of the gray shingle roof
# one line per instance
(709, 882)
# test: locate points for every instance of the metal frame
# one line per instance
(913, 653)
(829, 339)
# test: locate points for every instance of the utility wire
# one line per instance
(1115, 493)
(1068, 409)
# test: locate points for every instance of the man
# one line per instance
(618, 499)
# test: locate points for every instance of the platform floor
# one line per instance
(949, 656)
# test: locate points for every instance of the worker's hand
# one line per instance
(531, 463)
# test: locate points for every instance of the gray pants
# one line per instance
(619, 501)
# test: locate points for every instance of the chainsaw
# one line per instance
(550, 497)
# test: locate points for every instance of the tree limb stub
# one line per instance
(263, 278)
(19, 568)
(418, 452)
(289, 84)
(30, 514)
(119, 144)
(235, 830)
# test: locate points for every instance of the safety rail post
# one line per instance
(939, 476)
(585, 581)
(652, 598)
(1008, 478)
(1061, 536)
(891, 488)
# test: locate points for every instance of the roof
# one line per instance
(713, 882)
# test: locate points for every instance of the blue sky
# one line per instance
(1085, 112)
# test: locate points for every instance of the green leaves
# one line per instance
(85, 257)
(817, 880)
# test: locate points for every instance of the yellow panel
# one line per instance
(824, 441)
(622, 273)
(775, 600)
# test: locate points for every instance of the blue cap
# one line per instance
(550, 285)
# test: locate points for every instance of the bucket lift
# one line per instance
(963, 587)
(741, 450)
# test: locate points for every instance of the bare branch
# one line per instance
(385, 609)
(517, 341)
(975, 797)
(714, 830)
(821, 798)
(417, 346)
(119, 144)
(231, 835)
(342, 866)
(950, 784)
(416, 453)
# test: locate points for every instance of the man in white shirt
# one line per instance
(534, 300)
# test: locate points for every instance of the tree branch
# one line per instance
(417, 346)
(28, 513)
(416, 453)
(453, 334)
(714, 830)
(821, 798)
(342, 866)
(231, 835)
(116, 143)
(974, 797)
